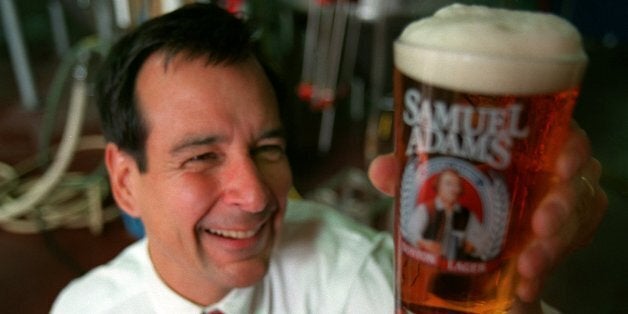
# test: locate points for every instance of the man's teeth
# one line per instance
(233, 234)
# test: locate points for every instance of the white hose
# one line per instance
(52, 176)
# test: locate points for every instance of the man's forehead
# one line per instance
(168, 62)
(160, 68)
(155, 86)
(448, 175)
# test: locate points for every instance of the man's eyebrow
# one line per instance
(213, 139)
(195, 142)
(274, 133)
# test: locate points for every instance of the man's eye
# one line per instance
(204, 157)
(269, 152)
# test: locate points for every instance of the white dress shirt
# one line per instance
(323, 263)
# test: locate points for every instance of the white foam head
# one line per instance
(492, 51)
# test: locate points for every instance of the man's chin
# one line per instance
(246, 274)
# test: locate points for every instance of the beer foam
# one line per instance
(492, 51)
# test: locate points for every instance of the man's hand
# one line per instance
(568, 216)
(565, 220)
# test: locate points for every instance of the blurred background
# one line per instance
(335, 60)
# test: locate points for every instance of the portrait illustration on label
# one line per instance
(454, 215)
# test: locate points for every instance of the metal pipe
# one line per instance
(19, 55)
(59, 28)
(122, 13)
(104, 20)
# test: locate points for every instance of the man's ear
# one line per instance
(123, 172)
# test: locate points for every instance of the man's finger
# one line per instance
(384, 173)
(575, 153)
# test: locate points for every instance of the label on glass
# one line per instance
(474, 168)
(454, 202)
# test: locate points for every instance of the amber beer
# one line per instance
(483, 99)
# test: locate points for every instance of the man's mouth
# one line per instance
(234, 234)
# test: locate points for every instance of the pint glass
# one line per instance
(483, 100)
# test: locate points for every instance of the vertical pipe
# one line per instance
(322, 54)
(311, 38)
(380, 49)
(169, 5)
(59, 28)
(102, 15)
(337, 39)
(122, 13)
(327, 129)
(19, 55)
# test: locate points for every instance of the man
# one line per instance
(440, 225)
(195, 149)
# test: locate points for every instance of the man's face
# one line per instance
(214, 193)
(449, 188)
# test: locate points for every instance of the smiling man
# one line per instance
(196, 150)
(213, 194)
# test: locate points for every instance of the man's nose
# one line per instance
(244, 185)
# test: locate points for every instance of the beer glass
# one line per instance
(483, 100)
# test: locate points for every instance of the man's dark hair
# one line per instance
(196, 30)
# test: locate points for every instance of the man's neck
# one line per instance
(188, 285)
(448, 206)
